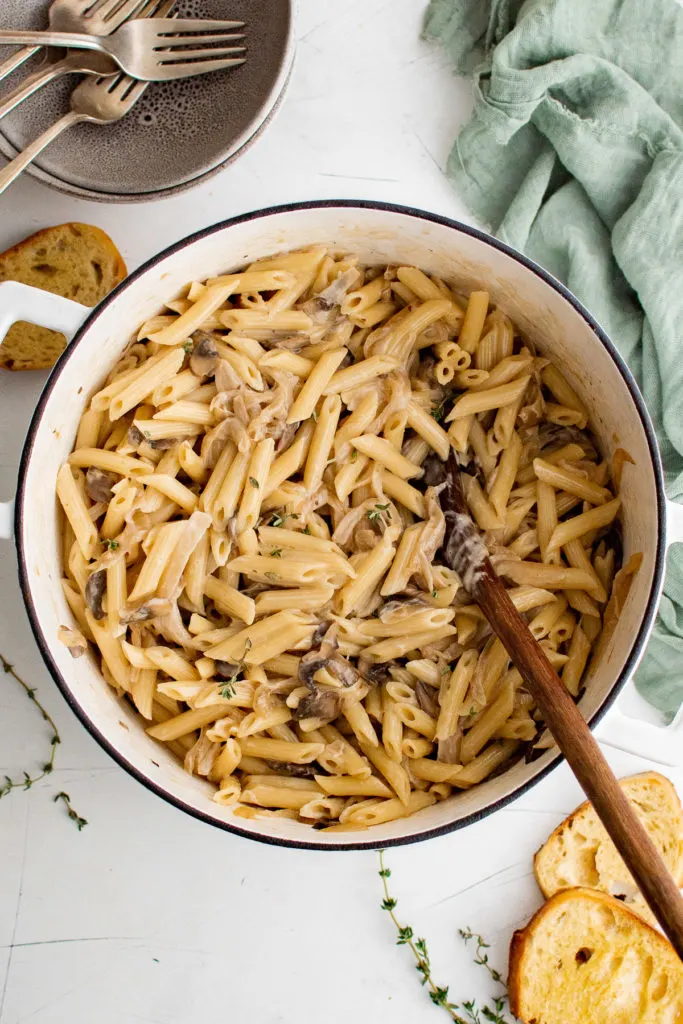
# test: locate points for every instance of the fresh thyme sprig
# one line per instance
(27, 780)
(375, 514)
(280, 518)
(480, 958)
(227, 688)
(80, 822)
(493, 1013)
(439, 411)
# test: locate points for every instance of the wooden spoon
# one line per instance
(467, 555)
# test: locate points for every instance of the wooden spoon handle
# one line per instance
(575, 740)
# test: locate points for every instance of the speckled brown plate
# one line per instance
(178, 133)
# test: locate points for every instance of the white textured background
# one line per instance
(148, 915)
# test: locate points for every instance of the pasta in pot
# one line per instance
(252, 535)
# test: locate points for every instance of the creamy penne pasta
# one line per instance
(253, 541)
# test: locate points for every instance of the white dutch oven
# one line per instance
(545, 311)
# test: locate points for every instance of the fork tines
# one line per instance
(207, 37)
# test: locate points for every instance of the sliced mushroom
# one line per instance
(98, 484)
(434, 470)
(320, 631)
(225, 669)
(204, 356)
(94, 592)
(152, 609)
(344, 671)
(225, 377)
(297, 771)
(427, 698)
(317, 658)
(375, 673)
(321, 307)
(552, 436)
(200, 758)
(72, 639)
(135, 436)
(449, 749)
(321, 703)
(164, 443)
(286, 437)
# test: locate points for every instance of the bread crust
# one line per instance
(522, 938)
(555, 839)
(30, 346)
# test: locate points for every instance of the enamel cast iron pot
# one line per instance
(543, 310)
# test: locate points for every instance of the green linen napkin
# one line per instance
(574, 154)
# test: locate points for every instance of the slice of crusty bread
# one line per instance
(77, 261)
(584, 958)
(579, 852)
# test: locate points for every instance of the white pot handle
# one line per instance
(20, 302)
(662, 744)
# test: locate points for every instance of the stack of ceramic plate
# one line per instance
(178, 133)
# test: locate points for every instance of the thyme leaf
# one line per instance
(27, 780)
(467, 1012)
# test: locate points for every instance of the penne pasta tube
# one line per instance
(370, 570)
(547, 519)
(171, 488)
(579, 649)
(398, 647)
(280, 750)
(426, 426)
(252, 492)
(543, 621)
(154, 374)
(275, 796)
(359, 374)
(264, 639)
(490, 398)
(563, 392)
(110, 462)
(350, 785)
(400, 490)
(111, 651)
(492, 719)
(572, 529)
(576, 555)
(385, 454)
(305, 599)
(565, 479)
(76, 511)
(230, 600)
(395, 774)
(452, 695)
(549, 577)
(320, 448)
(362, 816)
(315, 385)
(291, 460)
(473, 322)
(184, 723)
(494, 755)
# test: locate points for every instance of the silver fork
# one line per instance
(97, 100)
(154, 50)
(106, 19)
(98, 16)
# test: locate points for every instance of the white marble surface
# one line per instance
(148, 915)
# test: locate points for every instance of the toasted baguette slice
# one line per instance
(584, 958)
(77, 261)
(579, 852)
